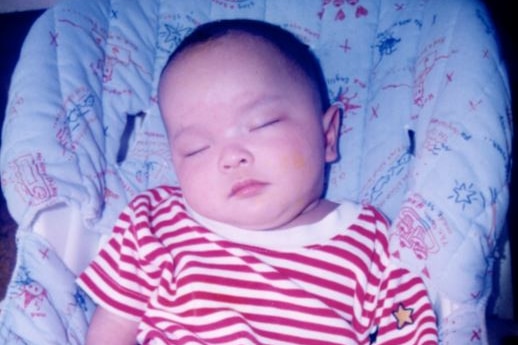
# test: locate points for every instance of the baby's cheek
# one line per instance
(284, 163)
(286, 159)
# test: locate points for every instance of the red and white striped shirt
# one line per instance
(326, 283)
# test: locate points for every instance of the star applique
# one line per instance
(403, 316)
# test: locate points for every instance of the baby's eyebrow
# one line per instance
(261, 101)
(190, 130)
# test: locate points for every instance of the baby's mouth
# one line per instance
(247, 189)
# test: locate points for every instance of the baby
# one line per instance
(246, 250)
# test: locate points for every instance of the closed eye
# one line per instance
(192, 153)
(265, 124)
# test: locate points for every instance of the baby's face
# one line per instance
(246, 133)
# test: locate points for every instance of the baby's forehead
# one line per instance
(246, 47)
(241, 40)
(241, 47)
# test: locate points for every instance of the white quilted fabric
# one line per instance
(426, 133)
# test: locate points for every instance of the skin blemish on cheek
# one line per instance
(290, 162)
(293, 161)
(287, 163)
(298, 161)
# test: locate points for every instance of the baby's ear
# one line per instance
(331, 125)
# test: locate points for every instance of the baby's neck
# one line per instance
(312, 214)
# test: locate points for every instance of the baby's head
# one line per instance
(249, 124)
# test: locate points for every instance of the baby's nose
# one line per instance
(234, 156)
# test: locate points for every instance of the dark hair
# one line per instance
(286, 42)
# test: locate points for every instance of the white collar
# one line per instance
(337, 221)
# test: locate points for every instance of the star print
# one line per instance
(174, 34)
(463, 194)
(403, 316)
